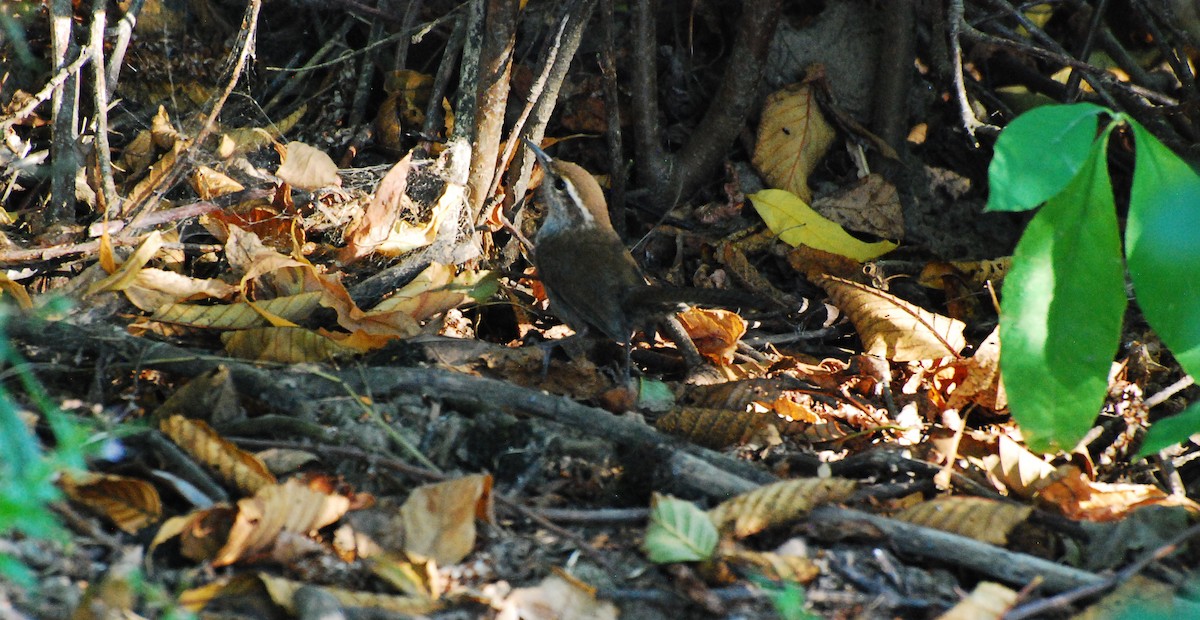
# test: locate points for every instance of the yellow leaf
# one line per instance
(796, 223)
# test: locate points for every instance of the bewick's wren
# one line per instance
(590, 277)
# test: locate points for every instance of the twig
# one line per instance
(60, 209)
(47, 91)
(366, 71)
(109, 201)
(1161, 396)
(970, 122)
(434, 118)
(491, 99)
(124, 30)
(544, 95)
(1064, 599)
(1085, 50)
(996, 562)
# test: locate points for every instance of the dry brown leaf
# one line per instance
(893, 328)
(974, 273)
(279, 229)
(126, 275)
(210, 184)
(988, 600)
(778, 503)
(154, 289)
(1015, 469)
(982, 385)
(289, 345)
(308, 168)
(211, 396)
(714, 428)
(416, 578)
(230, 462)
(145, 188)
(982, 519)
(292, 308)
(381, 215)
(439, 519)
(1078, 497)
(283, 593)
(291, 507)
(129, 503)
(201, 533)
(715, 332)
(433, 291)
(870, 205)
(774, 566)
(793, 136)
(556, 598)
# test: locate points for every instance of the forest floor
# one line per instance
(277, 347)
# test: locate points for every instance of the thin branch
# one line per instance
(109, 201)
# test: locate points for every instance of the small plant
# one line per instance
(1064, 299)
(29, 472)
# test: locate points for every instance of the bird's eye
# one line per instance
(560, 184)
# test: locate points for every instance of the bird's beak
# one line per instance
(541, 155)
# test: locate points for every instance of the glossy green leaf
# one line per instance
(1170, 431)
(1039, 153)
(678, 532)
(1163, 245)
(1064, 300)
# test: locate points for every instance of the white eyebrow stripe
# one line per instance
(588, 218)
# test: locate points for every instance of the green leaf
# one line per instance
(1170, 431)
(678, 532)
(1039, 153)
(1060, 320)
(1163, 246)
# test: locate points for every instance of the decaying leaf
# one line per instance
(283, 593)
(987, 601)
(777, 504)
(716, 332)
(291, 345)
(308, 168)
(793, 136)
(715, 428)
(982, 519)
(205, 445)
(774, 565)
(291, 507)
(556, 598)
(982, 384)
(439, 519)
(129, 503)
(871, 205)
(893, 328)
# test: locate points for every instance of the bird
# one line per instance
(590, 278)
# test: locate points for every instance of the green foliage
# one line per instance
(678, 532)
(1065, 295)
(786, 598)
(28, 472)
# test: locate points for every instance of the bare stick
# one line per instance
(85, 55)
(124, 29)
(109, 201)
(60, 209)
